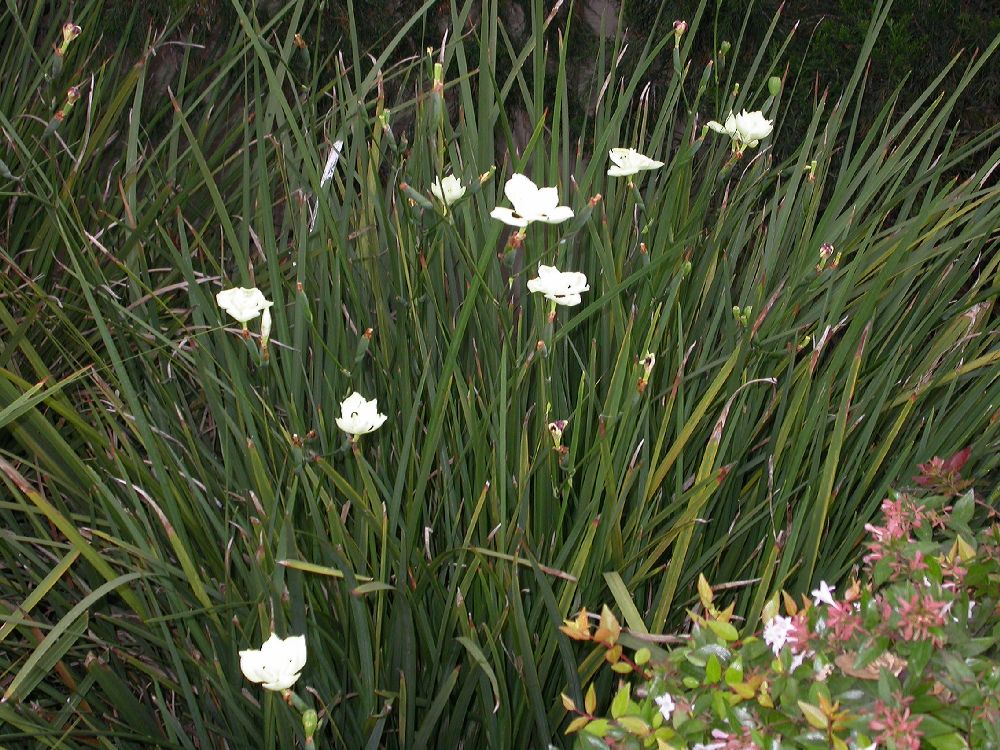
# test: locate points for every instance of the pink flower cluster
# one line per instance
(901, 517)
(915, 618)
(895, 725)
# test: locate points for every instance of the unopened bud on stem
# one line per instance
(679, 28)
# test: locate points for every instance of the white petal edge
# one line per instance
(506, 215)
(557, 215)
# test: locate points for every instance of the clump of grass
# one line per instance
(173, 497)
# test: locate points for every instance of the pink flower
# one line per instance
(843, 620)
(917, 616)
(895, 725)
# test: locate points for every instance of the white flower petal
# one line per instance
(557, 215)
(569, 300)
(253, 666)
(282, 682)
(507, 216)
(520, 190)
(546, 200)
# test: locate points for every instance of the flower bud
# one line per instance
(383, 118)
(438, 77)
(310, 720)
(774, 85)
(679, 28)
(648, 361)
(724, 48)
(265, 327)
(70, 31)
(556, 431)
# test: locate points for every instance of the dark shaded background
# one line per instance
(917, 41)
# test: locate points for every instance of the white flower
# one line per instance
(746, 129)
(358, 416)
(563, 288)
(448, 190)
(824, 594)
(777, 632)
(243, 304)
(278, 664)
(628, 162)
(666, 704)
(752, 127)
(531, 203)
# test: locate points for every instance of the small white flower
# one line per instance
(824, 594)
(243, 304)
(448, 190)
(666, 705)
(746, 129)
(777, 632)
(278, 663)
(628, 162)
(358, 416)
(752, 127)
(563, 288)
(531, 203)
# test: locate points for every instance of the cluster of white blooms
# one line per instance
(278, 663)
(530, 204)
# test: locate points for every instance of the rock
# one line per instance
(601, 16)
